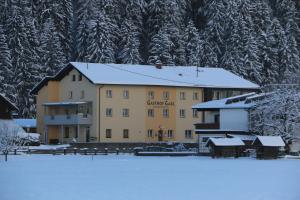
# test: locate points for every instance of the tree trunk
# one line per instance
(6, 157)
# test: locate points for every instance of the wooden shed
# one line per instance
(267, 147)
(225, 147)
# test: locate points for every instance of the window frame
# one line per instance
(166, 113)
(108, 133)
(182, 96)
(109, 93)
(149, 113)
(166, 95)
(182, 113)
(150, 133)
(107, 112)
(124, 131)
(125, 112)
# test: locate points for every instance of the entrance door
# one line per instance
(87, 134)
(160, 135)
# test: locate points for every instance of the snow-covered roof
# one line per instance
(235, 102)
(26, 122)
(225, 141)
(168, 75)
(64, 103)
(270, 141)
(128, 74)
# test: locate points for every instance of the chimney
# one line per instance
(158, 64)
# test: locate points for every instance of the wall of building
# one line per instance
(234, 119)
(91, 94)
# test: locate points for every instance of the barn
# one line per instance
(267, 147)
(225, 147)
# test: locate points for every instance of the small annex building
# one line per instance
(267, 147)
(29, 125)
(225, 147)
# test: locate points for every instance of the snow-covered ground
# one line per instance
(126, 177)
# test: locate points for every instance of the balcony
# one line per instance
(204, 126)
(68, 119)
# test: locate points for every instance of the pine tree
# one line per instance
(6, 73)
(129, 53)
(100, 41)
(192, 47)
(51, 50)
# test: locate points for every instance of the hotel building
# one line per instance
(89, 102)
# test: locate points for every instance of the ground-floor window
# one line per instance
(150, 133)
(188, 134)
(170, 133)
(67, 132)
(125, 133)
(108, 133)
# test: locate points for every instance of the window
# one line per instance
(150, 133)
(82, 94)
(182, 95)
(165, 95)
(108, 112)
(70, 94)
(150, 112)
(165, 113)
(170, 133)
(195, 113)
(188, 134)
(126, 94)
(150, 95)
(182, 113)
(125, 112)
(108, 133)
(80, 77)
(125, 133)
(73, 77)
(67, 132)
(195, 96)
(108, 93)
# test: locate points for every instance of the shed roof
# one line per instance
(8, 102)
(30, 123)
(270, 141)
(128, 74)
(225, 141)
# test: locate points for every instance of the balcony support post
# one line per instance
(78, 132)
(62, 134)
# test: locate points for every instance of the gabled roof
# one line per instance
(236, 102)
(225, 142)
(269, 141)
(128, 74)
(11, 105)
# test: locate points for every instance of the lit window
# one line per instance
(73, 77)
(165, 113)
(170, 133)
(108, 133)
(150, 95)
(82, 94)
(126, 94)
(150, 112)
(182, 95)
(108, 93)
(108, 112)
(80, 77)
(150, 133)
(70, 94)
(195, 96)
(188, 134)
(195, 113)
(182, 113)
(165, 95)
(125, 133)
(125, 112)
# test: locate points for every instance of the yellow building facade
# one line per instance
(71, 107)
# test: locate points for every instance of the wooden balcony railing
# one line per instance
(207, 126)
